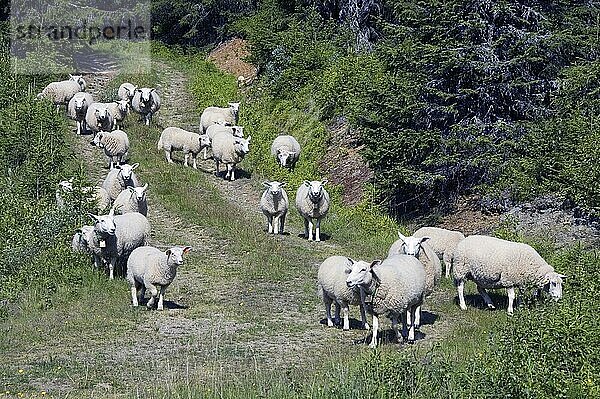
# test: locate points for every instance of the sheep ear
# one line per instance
(562, 276)
(423, 239)
(248, 139)
(282, 184)
(95, 218)
(324, 182)
(401, 236)
(266, 184)
(117, 166)
(168, 252)
(306, 183)
(145, 187)
(131, 188)
(374, 263)
(135, 165)
(111, 212)
(186, 249)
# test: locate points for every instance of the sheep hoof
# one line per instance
(366, 326)
(491, 307)
(373, 345)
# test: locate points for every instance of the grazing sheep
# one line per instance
(77, 109)
(98, 117)
(312, 202)
(115, 145)
(146, 102)
(393, 288)
(274, 205)
(176, 139)
(81, 239)
(149, 268)
(126, 91)
(286, 151)
(443, 243)
(115, 237)
(61, 92)
(229, 150)
(237, 131)
(418, 248)
(132, 199)
(212, 115)
(119, 178)
(495, 263)
(332, 286)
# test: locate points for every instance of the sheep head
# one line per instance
(411, 245)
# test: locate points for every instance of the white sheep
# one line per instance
(146, 102)
(394, 288)
(61, 92)
(115, 237)
(126, 91)
(274, 205)
(312, 202)
(132, 199)
(98, 117)
(176, 139)
(443, 242)
(286, 151)
(229, 150)
(417, 247)
(118, 110)
(149, 268)
(119, 178)
(332, 287)
(212, 115)
(77, 109)
(81, 239)
(495, 263)
(212, 130)
(115, 145)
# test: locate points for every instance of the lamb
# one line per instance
(98, 117)
(149, 267)
(126, 91)
(286, 151)
(418, 248)
(176, 139)
(495, 263)
(119, 178)
(274, 205)
(115, 145)
(212, 115)
(443, 243)
(312, 202)
(81, 239)
(333, 289)
(229, 150)
(115, 237)
(146, 102)
(212, 130)
(62, 92)
(77, 109)
(132, 199)
(393, 288)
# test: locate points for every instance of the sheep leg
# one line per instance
(417, 320)
(447, 264)
(169, 156)
(460, 287)
(310, 230)
(161, 297)
(511, 298)
(363, 315)
(111, 268)
(142, 293)
(486, 297)
(232, 172)
(345, 314)
(78, 127)
(405, 320)
(97, 262)
(318, 230)
(395, 328)
(411, 325)
(185, 159)
(305, 228)
(270, 224)
(337, 313)
(327, 301)
(205, 152)
(134, 294)
(153, 294)
(194, 158)
(281, 223)
(373, 343)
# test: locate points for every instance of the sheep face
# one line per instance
(284, 155)
(79, 79)
(66, 185)
(175, 255)
(274, 188)
(127, 169)
(243, 145)
(104, 225)
(315, 191)
(139, 192)
(130, 91)
(359, 273)
(412, 245)
(123, 105)
(553, 284)
(145, 96)
(238, 131)
(97, 141)
(204, 141)
(79, 103)
(235, 107)
(101, 114)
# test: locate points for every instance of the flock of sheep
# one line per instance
(395, 287)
